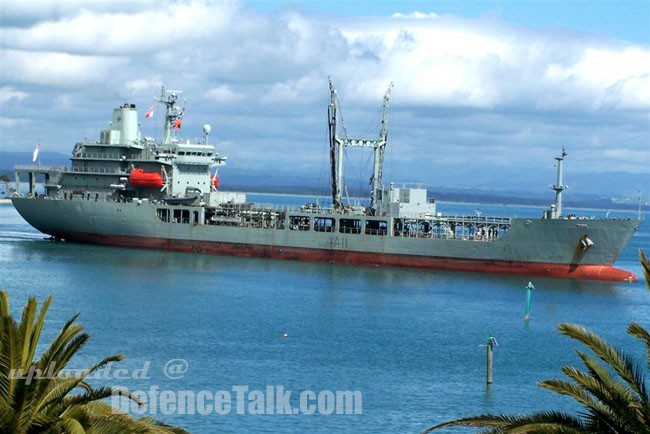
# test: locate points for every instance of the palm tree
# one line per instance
(54, 403)
(612, 391)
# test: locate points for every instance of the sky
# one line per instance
(485, 92)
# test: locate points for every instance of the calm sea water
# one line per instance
(408, 340)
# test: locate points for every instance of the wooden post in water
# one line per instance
(491, 343)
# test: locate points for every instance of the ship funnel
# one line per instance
(124, 128)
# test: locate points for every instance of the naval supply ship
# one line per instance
(132, 191)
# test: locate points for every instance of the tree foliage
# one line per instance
(35, 398)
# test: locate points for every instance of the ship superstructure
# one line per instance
(126, 190)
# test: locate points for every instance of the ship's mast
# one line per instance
(337, 144)
(334, 150)
(170, 101)
(558, 187)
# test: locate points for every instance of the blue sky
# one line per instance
(624, 19)
(484, 91)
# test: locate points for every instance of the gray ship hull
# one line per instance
(547, 247)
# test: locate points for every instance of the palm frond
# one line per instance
(72, 425)
(36, 330)
(620, 362)
(60, 386)
(106, 420)
(4, 304)
(570, 389)
(25, 329)
(639, 332)
(10, 354)
(606, 409)
(614, 389)
(56, 391)
(66, 345)
(645, 264)
(549, 422)
(623, 403)
(540, 422)
(69, 331)
(44, 401)
(118, 391)
(94, 395)
(483, 420)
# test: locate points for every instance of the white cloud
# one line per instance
(614, 76)
(140, 86)
(27, 12)
(224, 95)
(541, 88)
(119, 33)
(301, 91)
(8, 93)
(432, 59)
(57, 69)
(625, 155)
(64, 101)
(475, 64)
(416, 15)
(11, 122)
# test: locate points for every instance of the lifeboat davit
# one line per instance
(140, 178)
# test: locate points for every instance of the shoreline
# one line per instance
(496, 203)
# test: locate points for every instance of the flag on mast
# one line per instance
(179, 119)
(35, 156)
(149, 113)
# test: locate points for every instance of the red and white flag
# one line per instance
(149, 113)
(35, 156)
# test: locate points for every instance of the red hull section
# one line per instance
(571, 271)
(140, 178)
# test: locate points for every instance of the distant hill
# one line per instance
(283, 182)
(8, 159)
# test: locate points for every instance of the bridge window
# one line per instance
(376, 227)
(324, 224)
(298, 223)
(163, 214)
(181, 216)
(350, 226)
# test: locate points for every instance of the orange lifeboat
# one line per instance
(140, 178)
